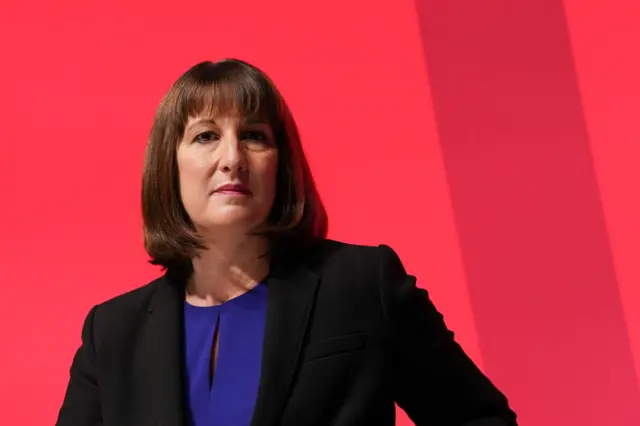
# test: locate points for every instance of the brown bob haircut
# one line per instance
(229, 87)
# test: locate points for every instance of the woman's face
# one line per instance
(227, 172)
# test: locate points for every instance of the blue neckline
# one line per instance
(238, 300)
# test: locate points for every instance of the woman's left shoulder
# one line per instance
(355, 276)
(353, 257)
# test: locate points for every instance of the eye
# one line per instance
(206, 137)
(255, 136)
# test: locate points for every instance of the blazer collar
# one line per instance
(163, 356)
(290, 296)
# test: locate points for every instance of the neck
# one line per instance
(227, 269)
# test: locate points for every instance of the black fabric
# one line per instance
(348, 333)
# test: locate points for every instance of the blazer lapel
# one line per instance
(290, 297)
(162, 359)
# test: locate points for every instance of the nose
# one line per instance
(233, 157)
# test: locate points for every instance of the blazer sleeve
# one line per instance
(81, 405)
(434, 381)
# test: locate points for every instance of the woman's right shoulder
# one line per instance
(126, 310)
(136, 298)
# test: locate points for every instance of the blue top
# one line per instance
(231, 398)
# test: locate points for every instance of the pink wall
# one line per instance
(493, 143)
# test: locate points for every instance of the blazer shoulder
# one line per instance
(349, 258)
(327, 250)
(132, 299)
(125, 310)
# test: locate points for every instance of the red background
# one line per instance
(493, 143)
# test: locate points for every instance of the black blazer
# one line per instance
(348, 333)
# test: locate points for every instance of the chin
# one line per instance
(234, 218)
(237, 220)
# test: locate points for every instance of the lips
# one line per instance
(233, 188)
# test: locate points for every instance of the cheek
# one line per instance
(267, 170)
(191, 177)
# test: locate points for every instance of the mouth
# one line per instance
(233, 189)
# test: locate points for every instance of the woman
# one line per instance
(259, 319)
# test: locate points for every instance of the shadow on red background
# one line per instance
(528, 209)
